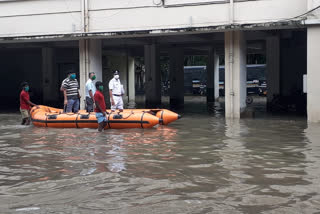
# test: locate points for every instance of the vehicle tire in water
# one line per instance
(249, 100)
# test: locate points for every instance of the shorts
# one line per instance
(118, 103)
(24, 113)
(100, 117)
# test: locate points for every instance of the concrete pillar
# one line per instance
(216, 77)
(212, 67)
(313, 74)
(95, 58)
(176, 77)
(235, 74)
(153, 82)
(48, 77)
(273, 67)
(131, 77)
(90, 52)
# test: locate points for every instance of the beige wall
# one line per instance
(312, 4)
(264, 11)
(158, 18)
(21, 18)
(315, 14)
(33, 17)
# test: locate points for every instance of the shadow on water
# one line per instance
(199, 164)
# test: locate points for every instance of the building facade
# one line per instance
(40, 40)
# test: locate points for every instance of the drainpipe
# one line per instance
(85, 21)
(231, 57)
(85, 44)
(82, 16)
(85, 29)
(86, 16)
(231, 12)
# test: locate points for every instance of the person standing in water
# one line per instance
(25, 104)
(100, 106)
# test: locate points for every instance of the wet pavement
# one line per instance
(199, 164)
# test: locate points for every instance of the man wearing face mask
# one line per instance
(62, 90)
(116, 91)
(71, 93)
(100, 106)
(25, 104)
(90, 91)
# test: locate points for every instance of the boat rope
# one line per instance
(77, 120)
(142, 119)
(162, 118)
(150, 112)
(108, 120)
(46, 119)
(129, 115)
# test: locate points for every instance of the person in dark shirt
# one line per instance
(25, 104)
(100, 106)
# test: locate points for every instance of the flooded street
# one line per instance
(199, 164)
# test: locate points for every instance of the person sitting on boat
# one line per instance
(90, 91)
(116, 91)
(100, 106)
(25, 104)
(71, 93)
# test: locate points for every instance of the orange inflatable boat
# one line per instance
(45, 116)
(166, 116)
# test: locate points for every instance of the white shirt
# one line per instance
(90, 86)
(116, 87)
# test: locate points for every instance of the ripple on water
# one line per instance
(3, 144)
(200, 164)
(282, 175)
(10, 136)
(27, 209)
(266, 200)
(171, 143)
(14, 127)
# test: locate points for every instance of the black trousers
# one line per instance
(89, 104)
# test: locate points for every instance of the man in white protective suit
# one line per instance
(116, 92)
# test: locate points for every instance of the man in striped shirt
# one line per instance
(62, 90)
(71, 93)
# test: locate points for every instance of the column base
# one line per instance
(247, 113)
(176, 103)
(152, 104)
(210, 95)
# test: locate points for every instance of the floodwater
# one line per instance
(199, 164)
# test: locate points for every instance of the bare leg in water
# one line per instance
(102, 125)
(28, 122)
(24, 120)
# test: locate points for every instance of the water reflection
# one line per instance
(266, 158)
(200, 164)
(310, 193)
